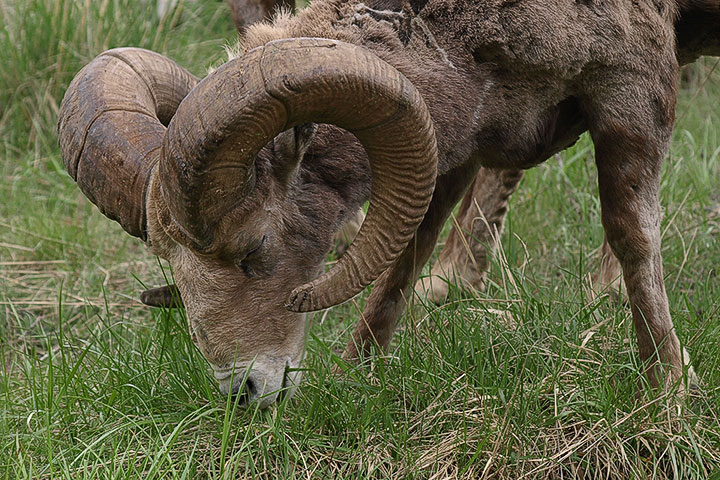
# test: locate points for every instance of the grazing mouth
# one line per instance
(274, 379)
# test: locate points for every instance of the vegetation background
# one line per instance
(534, 378)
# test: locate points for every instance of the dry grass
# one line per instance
(536, 378)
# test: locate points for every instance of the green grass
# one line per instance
(535, 378)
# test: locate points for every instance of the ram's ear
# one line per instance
(289, 149)
(166, 297)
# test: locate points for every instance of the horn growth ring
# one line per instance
(207, 169)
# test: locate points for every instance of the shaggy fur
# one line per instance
(508, 84)
(483, 209)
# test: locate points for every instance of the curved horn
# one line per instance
(207, 167)
(111, 128)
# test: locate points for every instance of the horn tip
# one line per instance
(301, 299)
(165, 297)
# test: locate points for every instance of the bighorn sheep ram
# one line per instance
(240, 180)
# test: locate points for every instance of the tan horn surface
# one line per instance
(207, 168)
(111, 128)
(167, 296)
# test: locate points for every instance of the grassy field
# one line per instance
(534, 378)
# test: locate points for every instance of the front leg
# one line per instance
(390, 292)
(631, 133)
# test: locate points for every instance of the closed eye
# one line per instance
(244, 265)
(262, 242)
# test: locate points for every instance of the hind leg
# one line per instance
(474, 237)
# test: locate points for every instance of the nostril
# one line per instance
(239, 395)
(244, 392)
(250, 387)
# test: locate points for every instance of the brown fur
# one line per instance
(464, 257)
(697, 29)
(247, 12)
(507, 85)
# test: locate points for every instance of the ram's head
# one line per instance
(192, 169)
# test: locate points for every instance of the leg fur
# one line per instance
(391, 290)
(631, 133)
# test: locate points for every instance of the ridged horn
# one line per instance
(111, 128)
(207, 168)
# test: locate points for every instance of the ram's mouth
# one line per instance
(259, 380)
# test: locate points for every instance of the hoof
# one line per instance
(434, 288)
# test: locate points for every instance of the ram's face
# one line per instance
(187, 166)
(235, 298)
(238, 319)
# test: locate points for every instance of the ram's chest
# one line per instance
(480, 103)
